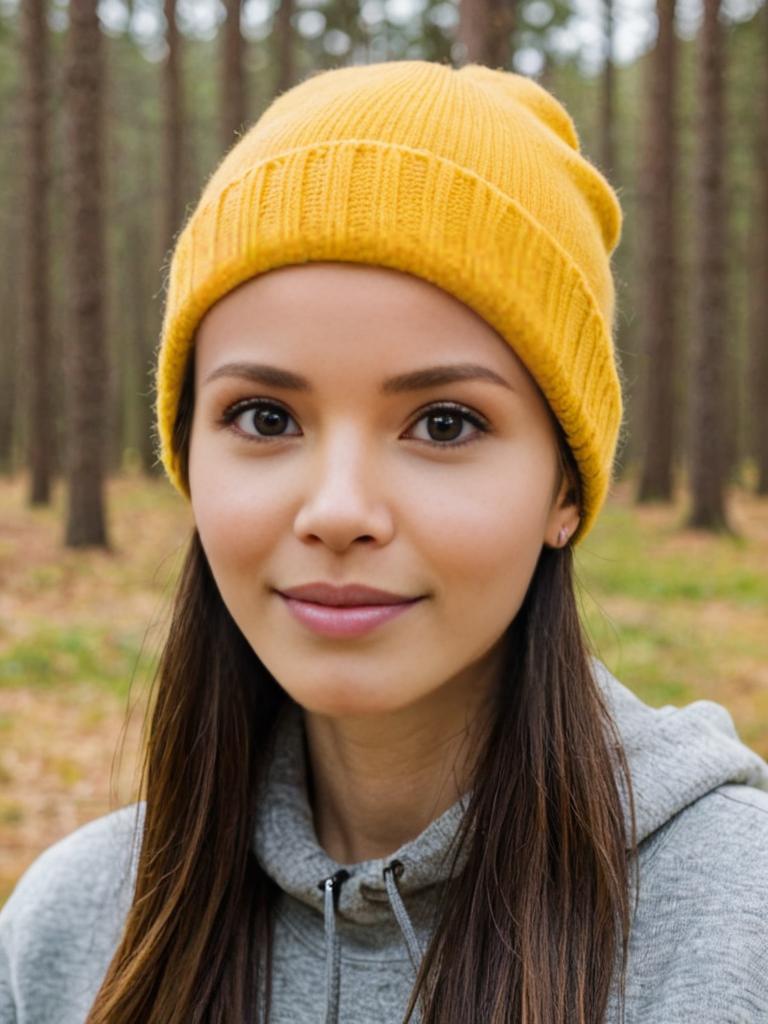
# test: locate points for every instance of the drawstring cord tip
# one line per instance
(330, 887)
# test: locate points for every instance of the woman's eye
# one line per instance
(259, 420)
(265, 418)
(446, 422)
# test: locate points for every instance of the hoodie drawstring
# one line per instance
(392, 871)
(330, 887)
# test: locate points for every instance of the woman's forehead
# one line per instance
(311, 317)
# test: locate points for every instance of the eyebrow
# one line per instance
(415, 380)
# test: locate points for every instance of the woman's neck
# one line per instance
(377, 781)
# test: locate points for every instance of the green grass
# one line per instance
(623, 558)
(54, 657)
(676, 616)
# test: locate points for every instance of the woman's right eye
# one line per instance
(267, 419)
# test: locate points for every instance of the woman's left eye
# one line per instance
(445, 422)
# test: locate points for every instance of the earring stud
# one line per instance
(562, 537)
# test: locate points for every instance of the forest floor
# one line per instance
(676, 614)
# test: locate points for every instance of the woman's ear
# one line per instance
(564, 517)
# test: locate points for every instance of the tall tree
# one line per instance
(139, 362)
(9, 375)
(286, 65)
(708, 470)
(485, 31)
(759, 323)
(35, 273)
(659, 342)
(173, 136)
(233, 109)
(174, 176)
(608, 97)
(85, 350)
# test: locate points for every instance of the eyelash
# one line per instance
(231, 413)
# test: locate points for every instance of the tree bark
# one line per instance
(233, 113)
(608, 99)
(708, 427)
(759, 324)
(286, 69)
(9, 375)
(174, 126)
(659, 342)
(35, 318)
(85, 349)
(485, 32)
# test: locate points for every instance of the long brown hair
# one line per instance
(533, 930)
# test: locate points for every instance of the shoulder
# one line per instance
(721, 836)
(699, 941)
(61, 923)
(72, 871)
(710, 867)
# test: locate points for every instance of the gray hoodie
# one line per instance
(699, 942)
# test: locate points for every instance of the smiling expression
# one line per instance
(356, 424)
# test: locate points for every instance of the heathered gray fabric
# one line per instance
(699, 944)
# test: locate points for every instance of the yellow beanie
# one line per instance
(472, 179)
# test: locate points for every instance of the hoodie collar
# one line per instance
(288, 849)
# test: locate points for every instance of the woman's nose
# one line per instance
(343, 497)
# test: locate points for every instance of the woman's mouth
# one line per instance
(344, 621)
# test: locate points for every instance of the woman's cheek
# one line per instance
(489, 547)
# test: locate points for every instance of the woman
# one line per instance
(385, 780)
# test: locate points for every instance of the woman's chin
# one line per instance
(351, 700)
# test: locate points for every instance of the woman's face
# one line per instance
(432, 488)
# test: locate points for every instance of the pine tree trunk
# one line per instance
(286, 69)
(502, 29)
(659, 329)
(708, 470)
(608, 100)
(174, 127)
(485, 32)
(35, 277)
(233, 112)
(759, 332)
(85, 349)
(9, 329)
(141, 364)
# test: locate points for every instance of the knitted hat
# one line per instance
(472, 179)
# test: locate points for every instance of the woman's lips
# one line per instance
(344, 621)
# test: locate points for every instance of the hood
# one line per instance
(675, 756)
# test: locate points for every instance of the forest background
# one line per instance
(112, 116)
